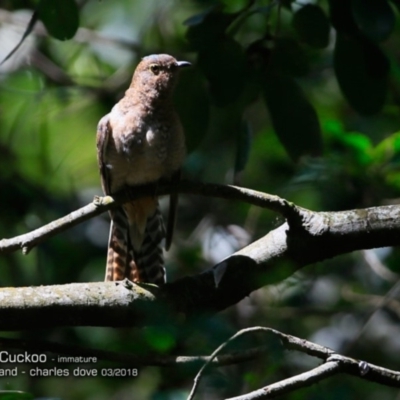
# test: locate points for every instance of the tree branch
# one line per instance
(291, 384)
(28, 240)
(334, 363)
(102, 204)
(306, 238)
(35, 346)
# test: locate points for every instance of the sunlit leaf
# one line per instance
(15, 395)
(160, 339)
(32, 117)
(356, 143)
(388, 150)
(360, 146)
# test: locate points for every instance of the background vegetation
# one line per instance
(300, 99)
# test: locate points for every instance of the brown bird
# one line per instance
(141, 141)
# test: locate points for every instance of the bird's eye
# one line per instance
(155, 69)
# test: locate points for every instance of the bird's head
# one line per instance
(157, 74)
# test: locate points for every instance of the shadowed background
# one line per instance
(300, 100)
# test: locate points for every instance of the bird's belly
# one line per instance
(137, 170)
(144, 170)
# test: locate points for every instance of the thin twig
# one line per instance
(100, 205)
(288, 385)
(83, 35)
(29, 28)
(289, 341)
(334, 363)
(31, 239)
(124, 358)
(215, 353)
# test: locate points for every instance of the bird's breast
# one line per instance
(144, 154)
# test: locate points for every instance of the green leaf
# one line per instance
(243, 147)
(264, 10)
(15, 395)
(388, 149)
(293, 117)
(253, 73)
(356, 143)
(61, 18)
(341, 16)
(361, 70)
(386, 157)
(161, 339)
(223, 64)
(397, 4)
(288, 57)
(207, 28)
(312, 25)
(375, 18)
(197, 19)
(193, 110)
(287, 3)
(359, 145)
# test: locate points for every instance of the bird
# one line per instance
(140, 141)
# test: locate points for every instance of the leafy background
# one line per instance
(300, 99)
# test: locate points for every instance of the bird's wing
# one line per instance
(103, 134)
(118, 256)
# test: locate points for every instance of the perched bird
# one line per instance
(141, 141)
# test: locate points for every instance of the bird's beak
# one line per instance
(181, 64)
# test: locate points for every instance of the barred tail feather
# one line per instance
(141, 264)
(147, 263)
(118, 247)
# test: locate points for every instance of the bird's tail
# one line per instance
(118, 250)
(134, 249)
(147, 263)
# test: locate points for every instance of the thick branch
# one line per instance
(73, 304)
(321, 236)
(308, 237)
